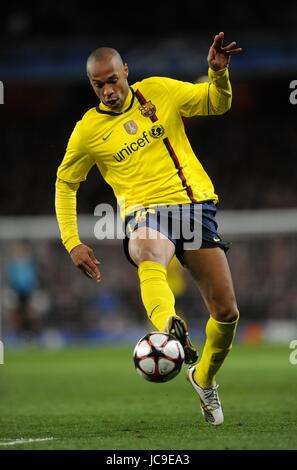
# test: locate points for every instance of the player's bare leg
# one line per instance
(210, 269)
(146, 244)
(152, 252)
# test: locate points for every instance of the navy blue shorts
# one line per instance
(189, 226)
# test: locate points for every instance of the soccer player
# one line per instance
(136, 138)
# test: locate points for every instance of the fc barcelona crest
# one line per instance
(148, 109)
(131, 127)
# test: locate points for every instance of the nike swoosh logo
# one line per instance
(106, 137)
(150, 315)
(216, 239)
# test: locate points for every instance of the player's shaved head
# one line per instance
(103, 54)
(108, 76)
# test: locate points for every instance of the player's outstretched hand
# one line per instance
(219, 56)
(83, 257)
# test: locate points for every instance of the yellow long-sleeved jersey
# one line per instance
(142, 152)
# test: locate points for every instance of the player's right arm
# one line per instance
(74, 169)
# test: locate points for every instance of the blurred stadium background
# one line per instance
(250, 153)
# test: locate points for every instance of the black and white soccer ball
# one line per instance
(158, 357)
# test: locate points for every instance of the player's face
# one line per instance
(109, 81)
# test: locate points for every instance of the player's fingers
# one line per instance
(218, 41)
(93, 257)
(94, 271)
(229, 46)
(91, 270)
(86, 273)
(234, 51)
(214, 43)
(92, 274)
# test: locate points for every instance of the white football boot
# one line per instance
(210, 404)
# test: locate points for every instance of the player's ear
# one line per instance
(126, 70)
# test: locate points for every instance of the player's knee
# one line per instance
(226, 312)
(149, 254)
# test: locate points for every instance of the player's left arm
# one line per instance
(209, 97)
(220, 91)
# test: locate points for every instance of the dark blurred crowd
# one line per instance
(39, 19)
(43, 291)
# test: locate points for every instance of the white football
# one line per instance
(158, 357)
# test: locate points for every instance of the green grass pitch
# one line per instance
(92, 398)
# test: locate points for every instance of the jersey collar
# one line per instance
(102, 109)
